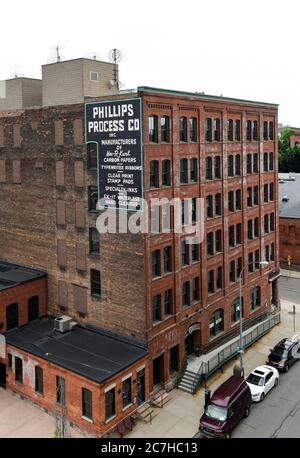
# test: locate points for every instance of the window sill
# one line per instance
(127, 407)
(96, 296)
(156, 278)
(110, 419)
(89, 420)
(94, 255)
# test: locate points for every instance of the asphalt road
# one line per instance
(289, 289)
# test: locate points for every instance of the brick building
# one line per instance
(172, 297)
(289, 220)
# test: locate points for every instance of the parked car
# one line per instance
(284, 354)
(261, 381)
(228, 405)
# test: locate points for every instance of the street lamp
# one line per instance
(241, 350)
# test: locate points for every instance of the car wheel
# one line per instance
(286, 368)
(262, 396)
(276, 382)
(247, 412)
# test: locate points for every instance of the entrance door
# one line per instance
(157, 370)
(189, 344)
(2, 375)
(141, 397)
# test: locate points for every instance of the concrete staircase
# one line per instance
(160, 397)
(188, 381)
(146, 413)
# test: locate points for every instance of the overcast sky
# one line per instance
(237, 48)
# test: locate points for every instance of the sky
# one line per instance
(235, 48)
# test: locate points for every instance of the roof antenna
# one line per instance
(115, 56)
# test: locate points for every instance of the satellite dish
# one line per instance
(94, 56)
(55, 56)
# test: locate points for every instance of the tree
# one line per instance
(289, 157)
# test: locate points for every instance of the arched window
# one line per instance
(216, 323)
(255, 301)
(183, 129)
(230, 130)
(165, 129)
(154, 174)
(235, 310)
(153, 128)
(193, 130)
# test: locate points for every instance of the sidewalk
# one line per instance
(180, 416)
(290, 273)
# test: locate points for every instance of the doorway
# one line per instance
(158, 366)
(141, 395)
(189, 345)
(174, 359)
(3, 375)
(192, 341)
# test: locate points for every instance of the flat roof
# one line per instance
(14, 274)
(203, 96)
(289, 196)
(93, 353)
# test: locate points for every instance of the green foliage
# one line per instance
(289, 158)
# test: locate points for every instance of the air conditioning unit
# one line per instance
(64, 323)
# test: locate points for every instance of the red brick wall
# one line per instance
(74, 384)
(21, 294)
(289, 229)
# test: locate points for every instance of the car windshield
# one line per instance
(255, 380)
(213, 411)
(280, 351)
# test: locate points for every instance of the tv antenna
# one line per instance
(56, 56)
(115, 56)
(94, 56)
(16, 73)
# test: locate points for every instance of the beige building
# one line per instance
(19, 93)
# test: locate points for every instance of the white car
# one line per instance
(261, 381)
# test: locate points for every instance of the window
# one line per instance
(195, 252)
(249, 164)
(185, 253)
(210, 244)
(271, 161)
(211, 282)
(218, 241)
(126, 392)
(250, 229)
(239, 267)
(94, 76)
(232, 272)
(256, 227)
(255, 163)
(255, 130)
(238, 199)
(216, 323)
(219, 278)
(93, 198)
(266, 136)
(33, 308)
(209, 206)
(230, 130)
(249, 131)
(193, 129)
(60, 390)
(208, 129)
(196, 289)
(94, 245)
(272, 222)
(165, 129)
(272, 257)
(156, 269)
(9, 362)
(271, 130)
(154, 174)
(95, 283)
(154, 218)
(231, 201)
(186, 294)
(266, 224)
(235, 310)
(39, 380)
(249, 197)
(266, 193)
(255, 298)
(156, 308)
(18, 370)
(256, 195)
(238, 130)
(12, 316)
(238, 164)
(231, 240)
(266, 162)
(267, 253)
(239, 234)
(110, 404)
(209, 172)
(271, 191)
(166, 217)
(217, 129)
(250, 263)
(218, 204)
(166, 172)
(183, 129)
(183, 171)
(92, 161)
(194, 170)
(230, 165)
(168, 259)
(194, 210)
(217, 167)
(153, 129)
(87, 403)
(168, 302)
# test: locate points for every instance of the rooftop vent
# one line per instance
(285, 199)
(64, 323)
